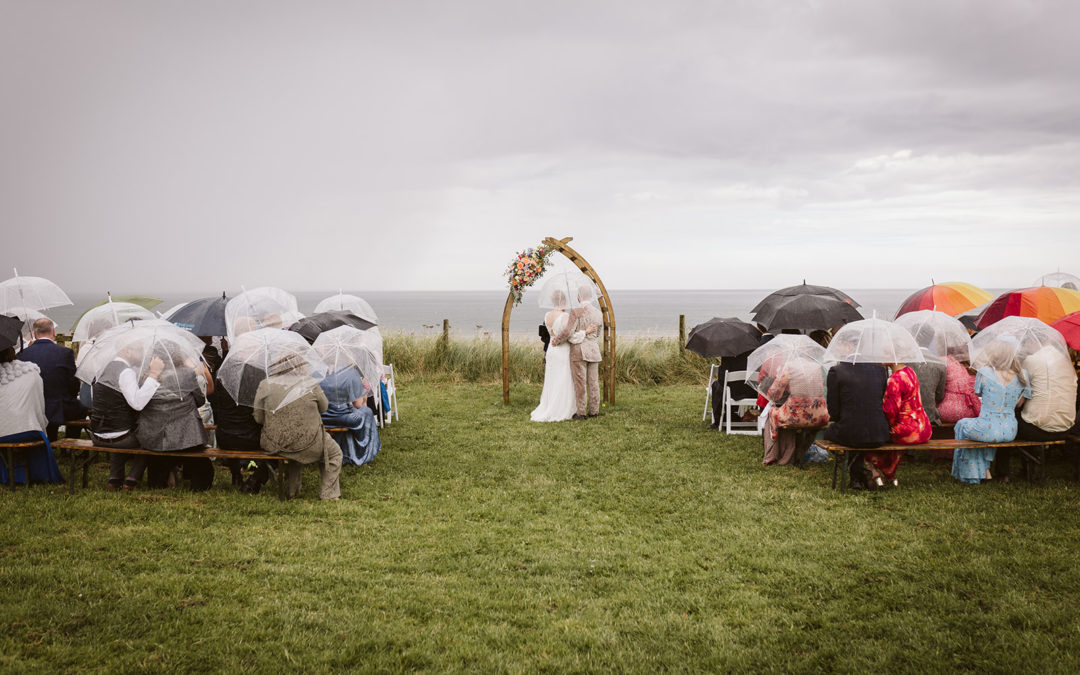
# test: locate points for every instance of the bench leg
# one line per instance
(281, 479)
(836, 463)
(87, 459)
(71, 474)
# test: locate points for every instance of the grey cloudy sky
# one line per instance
(154, 146)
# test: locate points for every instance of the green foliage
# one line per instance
(639, 541)
(638, 361)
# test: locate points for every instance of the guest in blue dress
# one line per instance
(1001, 384)
(347, 393)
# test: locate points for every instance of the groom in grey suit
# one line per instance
(585, 356)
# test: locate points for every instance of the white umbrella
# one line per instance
(266, 353)
(873, 341)
(98, 319)
(140, 343)
(263, 307)
(938, 333)
(30, 292)
(351, 303)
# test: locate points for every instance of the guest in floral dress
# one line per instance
(798, 402)
(960, 399)
(908, 422)
(1002, 384)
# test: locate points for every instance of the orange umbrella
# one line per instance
(951, 297)
(1045, 303)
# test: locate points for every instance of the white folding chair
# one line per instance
(729, 404)
(714, 370)
(391, 393)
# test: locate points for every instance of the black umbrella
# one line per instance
(807, 312)
(10, 331)
(802, 289)
(310, 327)
(724, 337)
(204, 317)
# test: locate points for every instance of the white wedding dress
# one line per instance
(558, 401)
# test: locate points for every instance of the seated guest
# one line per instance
(22, 420)
(170, 421)
(1051, 412)
(238, 430)
(960, 400)
(931, 376)
(118, 398)
(738, 389)
(295, 430)
(1003, 385)
(908, 423)
(854, 395)
(797, 394)
(347, 395)
(57, 364)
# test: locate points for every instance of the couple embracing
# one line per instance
(571, 371)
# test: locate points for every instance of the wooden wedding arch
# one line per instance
(607, 366)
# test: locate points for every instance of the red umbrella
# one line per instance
(1069, 326)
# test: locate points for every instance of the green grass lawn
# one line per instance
(477, 540)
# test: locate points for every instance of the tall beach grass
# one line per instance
(479, 359)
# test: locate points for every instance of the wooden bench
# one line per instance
(10, 450)
(1025, 448)
(75, 445)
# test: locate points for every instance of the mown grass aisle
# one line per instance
(478, 540)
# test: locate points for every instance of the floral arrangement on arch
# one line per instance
(526, 267)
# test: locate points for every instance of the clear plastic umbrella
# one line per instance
(1014, 337)
(351, 303)
(938, 333)
(103, 317)
(30, 292)
(264, 307)
(566, 290)
(348, 347)
(267, 353)
(142, 344)
(787, 365)
(1059, 280)
(873, 340)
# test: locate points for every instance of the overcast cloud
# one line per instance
(161, 146)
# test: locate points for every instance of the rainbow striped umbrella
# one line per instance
(951, 297)
(1045, 303)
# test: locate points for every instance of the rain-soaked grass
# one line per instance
(638, 541)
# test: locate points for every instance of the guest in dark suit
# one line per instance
(854, 394)
(57, 364)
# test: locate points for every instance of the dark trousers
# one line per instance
(197, 471)
(1025, 431)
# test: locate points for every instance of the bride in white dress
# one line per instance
(558, 401)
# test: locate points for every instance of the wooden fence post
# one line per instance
(682, 332)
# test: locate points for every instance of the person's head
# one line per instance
(558, 300)
(1001, 356)
(132, 352)
(244, 324)
(273, 320)
(44, 328)
(7, 355)
(821, 337)
(585, 294)
(289, 364)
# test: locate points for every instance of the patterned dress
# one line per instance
(960, 400)
(908, 421)
(995, 423)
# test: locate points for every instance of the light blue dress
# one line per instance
(996, 423)
(360, 443)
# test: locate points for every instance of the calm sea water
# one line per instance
(478, 313)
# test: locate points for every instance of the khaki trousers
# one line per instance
(586, 385)
(329, 471)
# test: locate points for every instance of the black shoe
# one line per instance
(577, 417)
(594, 414)
(251, 487)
